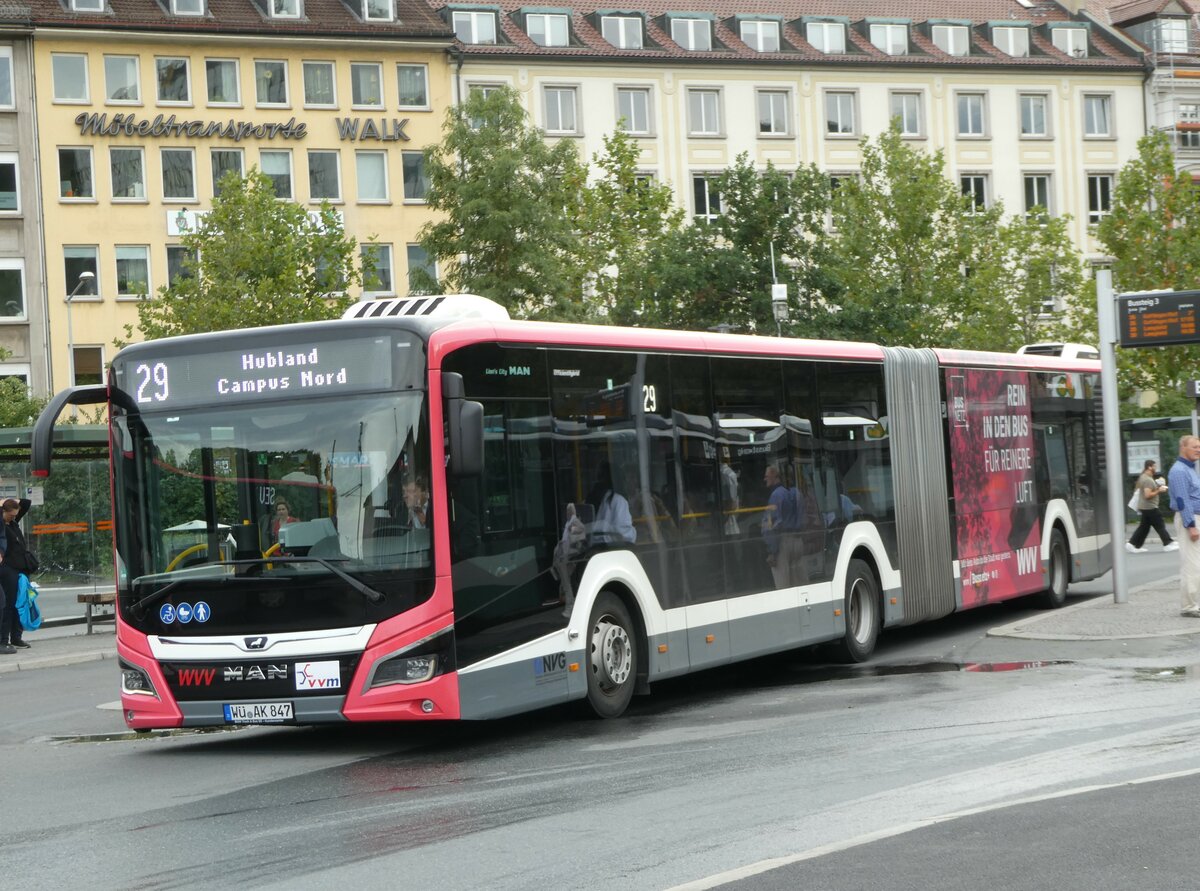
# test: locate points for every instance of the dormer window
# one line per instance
(692, 34)
(378, 10)
(1072, 41)
(87, 5)
(1172, 36)
(891, 39)
(546, 29)
(187, 7)
(475, 27)
(622, 31)
(761, 36)
(953, 40)
(826, 37)
(1011, 41)
(284, 9)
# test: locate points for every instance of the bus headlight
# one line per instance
(419, 662)
(135, 681)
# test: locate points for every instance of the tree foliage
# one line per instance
(507, 201)
(255, 260)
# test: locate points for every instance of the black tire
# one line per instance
(1055, 594)
(861, 610)
(612, 657)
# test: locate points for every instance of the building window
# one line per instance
(366, 85)
(692, 34)
(419, 261)
(75, 178)
(560, 110)
(181, 264)
(179, 174)
(324, 176)
(224, 85)
(840, 114)
(225, 161)
(1172, 36)
(1034, 115)
(377, 269)
(128, 169)
(319, 85)
(974, 186)
(704, 112)
(187, 7)
(87, 365)
(1189, 113)
(10, 191)
(1072, 41)
(133, 270)
(277, 165)
(378, 10)
(826, 37)
(414, 85)
(1097, 115)
(416, 183)
(1011, 41)
(270, 82)
(906, 112)
(121, 82)
(773, 117)
(475, 27)
(87, 5)
(546, 29)
(761, 36)
(706, 200)
(633, 110)
(953, 40)
(622, 31)
(70, 76)
(1099, 197)
(12, 288)
(971, 120)
(371, 171)
(285, 9)
(174, 82)
(1037, 194)
(891, 39)
(6, 78)
(78, 259)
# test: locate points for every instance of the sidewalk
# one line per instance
(64, 645)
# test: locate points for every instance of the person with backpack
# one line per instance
(18, 559)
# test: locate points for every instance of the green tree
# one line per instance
(255, 260)
(905, 245)
(1153, 236)
(508, 204)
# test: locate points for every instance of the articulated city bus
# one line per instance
(425, 510)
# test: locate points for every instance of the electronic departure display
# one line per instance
(1158, 318)
(260, 371)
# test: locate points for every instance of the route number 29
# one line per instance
(152, 382)
(649, 398)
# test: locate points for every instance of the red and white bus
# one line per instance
(482, 517)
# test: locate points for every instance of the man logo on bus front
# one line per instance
(255, 643)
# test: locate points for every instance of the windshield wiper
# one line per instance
(139, 606)
(365, 590)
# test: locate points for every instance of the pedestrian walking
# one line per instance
(1149, 486)
(1184, 485)
(17, 560)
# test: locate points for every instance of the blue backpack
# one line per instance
(27, 608)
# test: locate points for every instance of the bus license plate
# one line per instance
(258, 712)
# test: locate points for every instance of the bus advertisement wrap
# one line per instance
(992, 456)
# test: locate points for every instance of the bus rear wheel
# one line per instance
(612, 657)
(862, 613)
(1055, 594)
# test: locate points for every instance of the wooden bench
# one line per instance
(93, 600)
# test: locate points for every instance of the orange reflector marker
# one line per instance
(709, 638)
(662, 648)
(893, 601)
(574, 666)
(837, 612)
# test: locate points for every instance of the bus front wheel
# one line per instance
(1055, 594)
(612, 657)
(862, 613)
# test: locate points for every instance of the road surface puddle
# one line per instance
(1173, 673)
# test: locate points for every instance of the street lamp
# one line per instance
(85, 279)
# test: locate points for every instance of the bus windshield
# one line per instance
(275, 516)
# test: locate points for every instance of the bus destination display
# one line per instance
(258, 371)
(1158, 319)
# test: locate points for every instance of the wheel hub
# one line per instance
(612, 654)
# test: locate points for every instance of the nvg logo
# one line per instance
(548, 668)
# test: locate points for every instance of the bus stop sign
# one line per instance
(1158, 318)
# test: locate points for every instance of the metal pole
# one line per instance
(1107, 318)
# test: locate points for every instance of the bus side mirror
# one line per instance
(464, 425)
